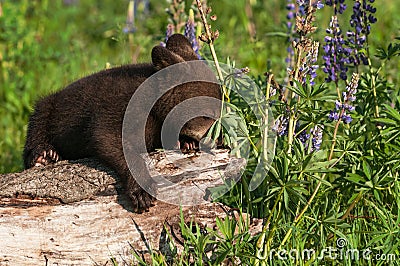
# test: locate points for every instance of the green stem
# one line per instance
(310, 200)
(210, 42)
(298, 217)
(337, 90)
(291, 133)
(268, 88)
(373, 80)
(292, 120)
(335, 135)
(262, 245)
(352, 205)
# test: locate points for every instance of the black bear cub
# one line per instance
(85, 118)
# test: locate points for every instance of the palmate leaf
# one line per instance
(392, 51)
(312, 93)
(355, 178)
(381, 53)
(316, 163)
(298, 89)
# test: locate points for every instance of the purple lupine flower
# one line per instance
(336, 55)
(361, 21)
(304, 4)
(304, 8)
(308, 67)
(190, 33)
(312, 58)
(303, 136)
(168, 33)
(333, 116)
(342, 108)
(291, 7)
(338, 5)
(280, 126)
(316, 132)
(346, 118)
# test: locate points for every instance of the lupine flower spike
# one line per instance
(190, 33)
(316, 132)
(291, 7)
(168, 33)
(337, 56)
(306, 53)
(309, 67)
(308, 64)
(306, 15)
(349, 96)
(280, 126)
(338, 5)
(307, 49)
(361, 20)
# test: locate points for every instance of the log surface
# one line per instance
(75, 213)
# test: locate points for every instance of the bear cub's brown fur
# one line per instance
(85, 118)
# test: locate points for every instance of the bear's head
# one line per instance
(197, 92)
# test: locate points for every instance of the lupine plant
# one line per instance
(334, 178)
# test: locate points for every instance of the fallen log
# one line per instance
(75, 213)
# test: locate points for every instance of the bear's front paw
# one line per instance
(43, 155)
(187, 145)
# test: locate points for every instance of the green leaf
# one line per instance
(277, 34)
(386, 121)
(320, 167)
(367, 170)
(355, 178)
(298, 89)
(323, 181)
(381, 53)
(392, 112)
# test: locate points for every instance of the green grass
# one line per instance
(44, 45)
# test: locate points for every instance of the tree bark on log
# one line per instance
(75, 213)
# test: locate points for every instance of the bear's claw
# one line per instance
(43, 155)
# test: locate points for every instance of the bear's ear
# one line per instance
(162, 57)
(177, 50)
(181, 46)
